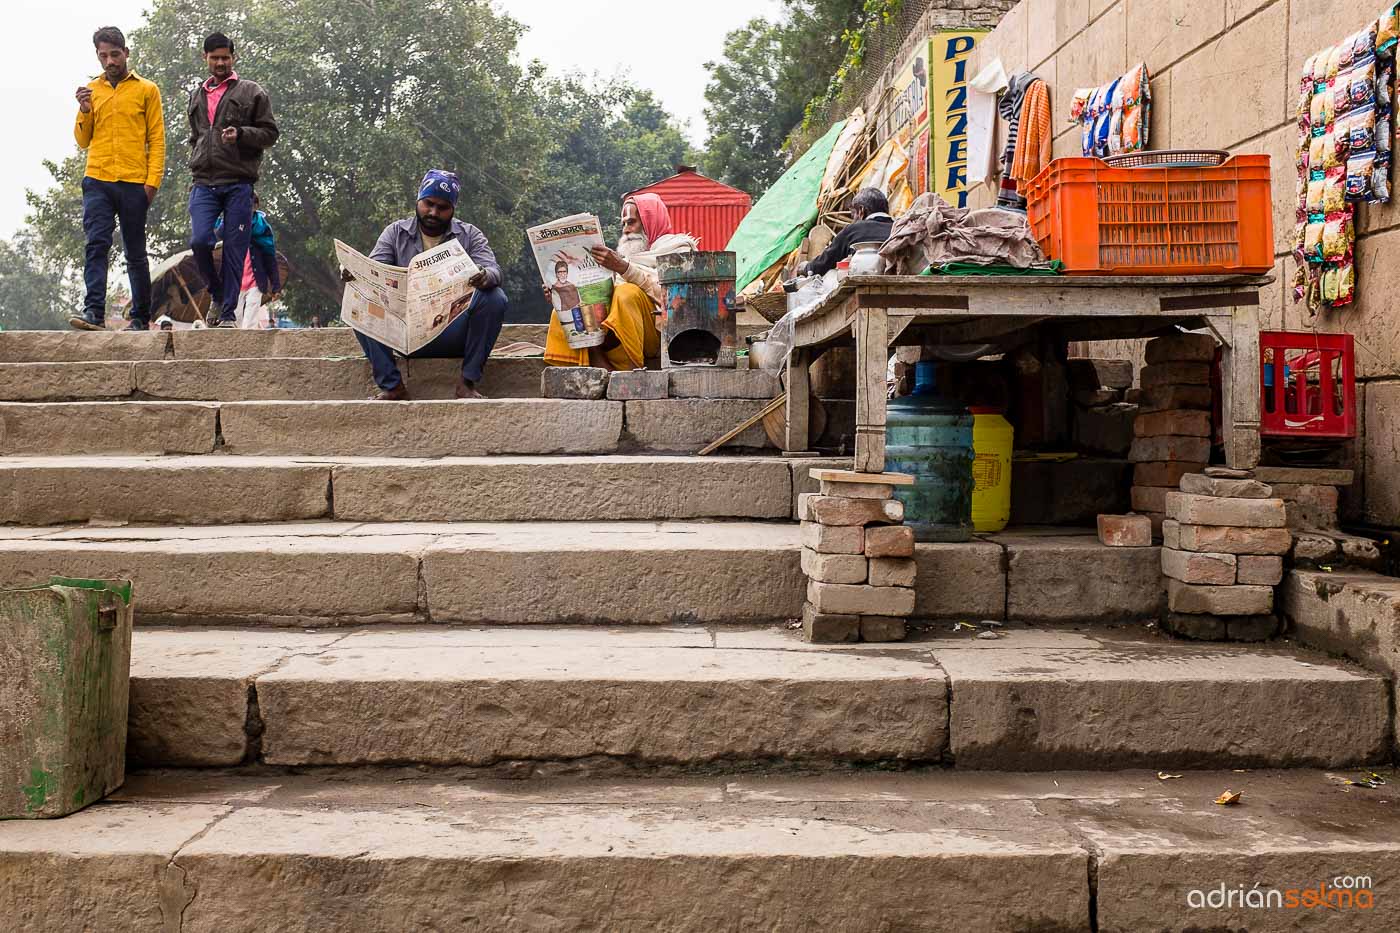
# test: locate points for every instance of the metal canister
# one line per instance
(700, 318)
(930, 438)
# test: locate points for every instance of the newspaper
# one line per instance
(580, 290)
(404, 309)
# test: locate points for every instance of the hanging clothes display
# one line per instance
(1116, 117)
(1009, 197)
(1345, 142)
(1034, 147)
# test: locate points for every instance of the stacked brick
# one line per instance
(1224, 538)
(1172, 431)
(859, 561)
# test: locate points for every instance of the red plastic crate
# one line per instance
(1308, 382)
(1101, 220)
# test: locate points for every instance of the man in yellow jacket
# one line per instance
(121, 126)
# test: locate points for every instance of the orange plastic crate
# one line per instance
(1100, 220)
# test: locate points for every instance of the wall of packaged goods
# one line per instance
(1225, 75)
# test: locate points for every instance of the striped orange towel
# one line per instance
(1034, 144)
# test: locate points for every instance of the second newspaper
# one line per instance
(580, 290)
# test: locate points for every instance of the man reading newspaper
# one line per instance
(469, 324)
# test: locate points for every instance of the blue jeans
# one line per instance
(235, 203)
(105, 203)
(471, 336)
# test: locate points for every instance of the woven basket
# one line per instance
(771, 306)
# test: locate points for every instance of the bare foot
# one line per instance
(399, 394)
(466, 390)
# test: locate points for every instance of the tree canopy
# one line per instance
(368, 101)
(759, 91)
(31, 297)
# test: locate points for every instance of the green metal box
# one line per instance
(65, 666)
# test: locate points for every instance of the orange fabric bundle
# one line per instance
(1034, 143)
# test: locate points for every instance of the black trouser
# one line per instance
(105, 203)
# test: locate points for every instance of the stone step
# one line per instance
(275, 573)
(376, 429)
(212, 490)
(930, 851)
(1113, 852)
(67, 346)
(252, 380)
(734, 697)
(57, 346)
(335, 573)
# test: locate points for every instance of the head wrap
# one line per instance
(656, 220)
(439, 184)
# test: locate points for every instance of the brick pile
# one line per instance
(1172, 432)
(1224, 538)
(858, 558)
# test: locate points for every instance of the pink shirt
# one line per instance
(249, 279)
(215, 93)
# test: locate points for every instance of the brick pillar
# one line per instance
(1171, 436)
(858, 556)
(1224, 538)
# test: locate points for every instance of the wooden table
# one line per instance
(878, 312)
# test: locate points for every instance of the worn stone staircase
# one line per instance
(356, 620)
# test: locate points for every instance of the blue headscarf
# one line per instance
(440, 184)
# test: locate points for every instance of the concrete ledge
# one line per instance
(66, 382)
(345, 857)
(71, 346)
(1355, 614)
(80, 428)
(421, 429)
(563, 489)
(688, 425)
(963, 582)
(175, 490)
(459, 704)
(1145, 704)
(248, 573)
(617, 573)
(190, 701)
(816, 852)
(252, 380)
(76, 347)
(1076, 579)
(339, 573)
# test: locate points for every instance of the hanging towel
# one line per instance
(1010, 109)
(1033, 150)
(982, 123)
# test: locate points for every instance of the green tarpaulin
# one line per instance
(781, 219)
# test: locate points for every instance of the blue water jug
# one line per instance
(930, 438)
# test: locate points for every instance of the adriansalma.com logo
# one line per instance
(1344, 892)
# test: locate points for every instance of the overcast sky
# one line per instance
(49, 53)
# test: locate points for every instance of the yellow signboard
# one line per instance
(950, 56)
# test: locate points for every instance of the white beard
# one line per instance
(630, 244)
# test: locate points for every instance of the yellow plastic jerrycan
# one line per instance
(993, 440)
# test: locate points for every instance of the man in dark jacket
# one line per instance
(871, 223)
(230, 126)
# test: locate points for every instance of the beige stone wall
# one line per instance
(1225, 77)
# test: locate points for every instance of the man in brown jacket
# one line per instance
(230, 126)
